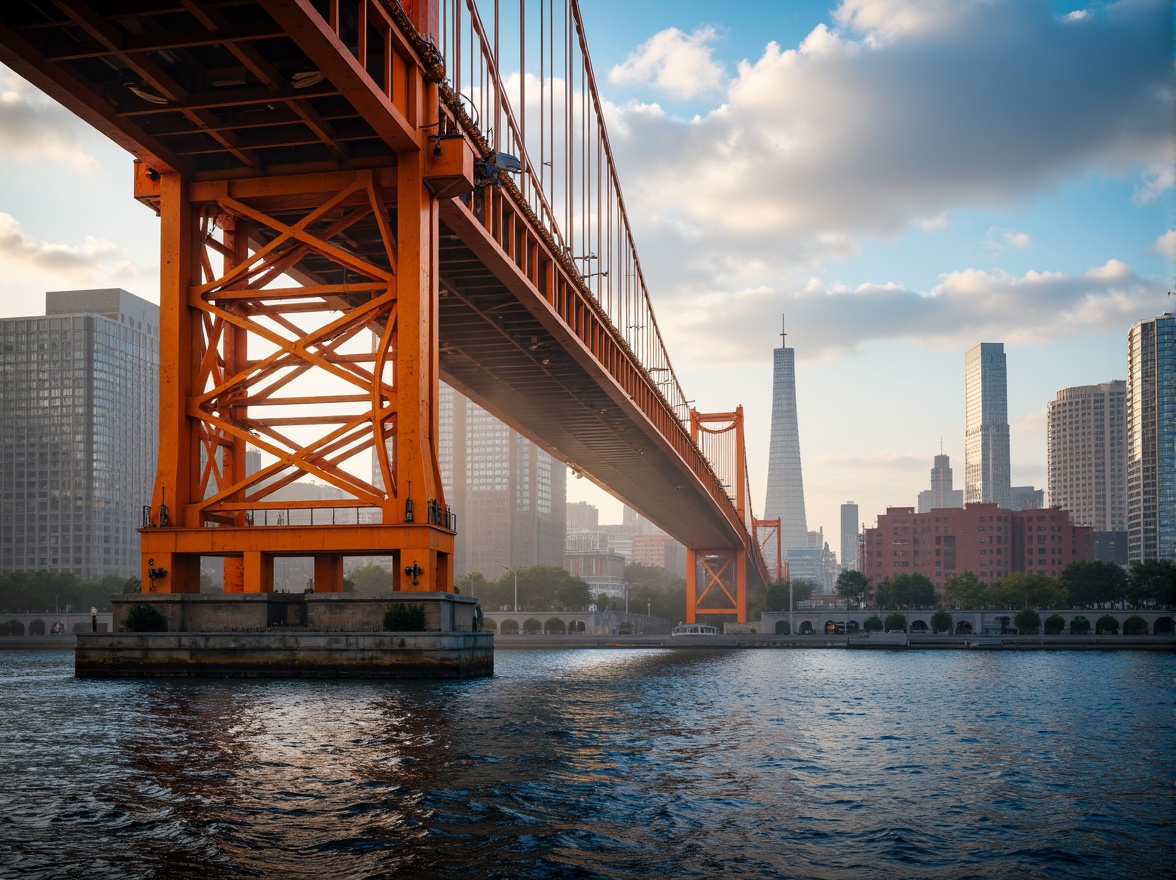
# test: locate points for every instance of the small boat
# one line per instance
(694, 629)
(984, 642)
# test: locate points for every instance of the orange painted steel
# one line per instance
(303, 156)
(766, 531)
(264, 303)
(716, 578)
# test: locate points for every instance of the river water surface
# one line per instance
(602, 764)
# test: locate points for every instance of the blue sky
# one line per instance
(902, 179)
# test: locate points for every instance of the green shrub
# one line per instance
(1079, 626)
(1027, 621)
(873, 624)
(554, 626)
(532, 625)
(1054, 624)
(402, 617)
(144, 619)
(941, 621)
(896, 621)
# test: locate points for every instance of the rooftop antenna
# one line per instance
(783, 332)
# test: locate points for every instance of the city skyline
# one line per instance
(1020, 205)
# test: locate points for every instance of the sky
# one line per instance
(896, 180)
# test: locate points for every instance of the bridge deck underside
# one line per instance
(505, 352)
(216, 90)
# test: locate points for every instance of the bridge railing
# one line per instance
(567, 175)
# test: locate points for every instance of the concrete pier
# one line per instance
(287, 635)
(284, 655)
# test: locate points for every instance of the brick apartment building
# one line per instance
(984, 539)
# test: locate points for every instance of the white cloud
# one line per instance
(1035, 308)
(34, 127)
(678, 64)
(963, 105)
(1166, 244)
(91, 261)
(1004, 239)
(1154, 181)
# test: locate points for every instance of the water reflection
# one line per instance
(609, 764)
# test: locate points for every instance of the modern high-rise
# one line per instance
(941, 496)
(510, 496)
(785, 495)
(850, 537)
(1088, 454)
(1151, 439)
(986, 428)
(79, 415)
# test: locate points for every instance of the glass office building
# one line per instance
(79, 401)
(986, 429)
(1151, 439)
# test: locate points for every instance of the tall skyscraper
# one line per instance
(785, 495)
(941, 496)
(849, 535)
(986, 430)
(79, 416)
(1088, 454)
(510, 496)
(1151, 439)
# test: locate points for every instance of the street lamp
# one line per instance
(515, 572)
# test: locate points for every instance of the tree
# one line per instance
(873, 623)
(940, 621)
(555, 626)
(656, 589)
(802, 590)
(1027, 621)
(1154, 581)
(1025, 590)
(1093, 582)
(906, 591)
(371, 578)
(965, 590)
(851, 583)
(776, 596)
(532, 625)
(897, 621)
(1054, 624)
(1079, 626)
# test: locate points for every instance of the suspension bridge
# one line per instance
(358, 199)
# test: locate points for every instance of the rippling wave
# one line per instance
(600, 764)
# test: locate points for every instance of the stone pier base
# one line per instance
(285, 635)
(284, 655)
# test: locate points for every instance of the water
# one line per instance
(601, 764)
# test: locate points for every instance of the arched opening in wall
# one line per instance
(1135, 626)
(489, 625)
(963, 628)
(554, 626)
(1107, 626)
(12, 628)
(1079, 626)
(510, 628)
(577, 626)
(919, 626)
(1163, 626)
(37, 628)
(833, 628)
(852, 627)
(782, 628)
(806, 628)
